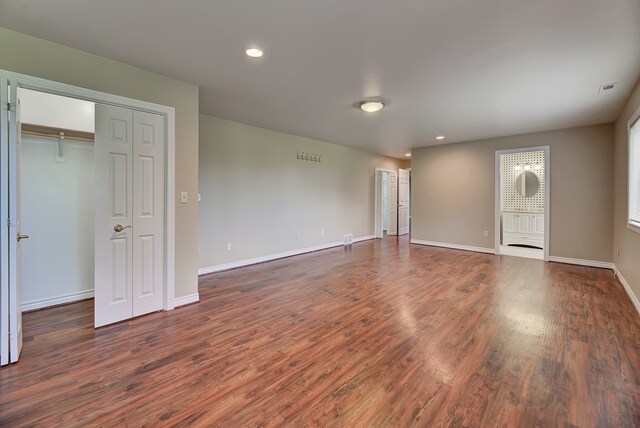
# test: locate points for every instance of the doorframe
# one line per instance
(547, 194)
(377, 207)
(71, 91)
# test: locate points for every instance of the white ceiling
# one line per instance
(468, 69)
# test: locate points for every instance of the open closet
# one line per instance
(57, 194)
(87, 187)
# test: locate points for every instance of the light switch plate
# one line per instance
(184, 197)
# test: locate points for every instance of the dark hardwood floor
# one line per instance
(383, 334)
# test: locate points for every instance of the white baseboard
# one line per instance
(262, 259)
(57, 300)
(454, 246)
(185, 300)
(582, 262)
(627, 288)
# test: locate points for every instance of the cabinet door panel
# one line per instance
(538, 223)
(509, 223)
(525, 223)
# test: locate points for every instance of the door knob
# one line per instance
(120, 228)
(21, 236)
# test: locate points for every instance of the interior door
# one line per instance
(113, 214)
(15, 233)
(403, 201)
(148, 213)
(392, 209)
(129, 219)
(4, 216)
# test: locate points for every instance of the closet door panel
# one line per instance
(113, 248)
(148, 209)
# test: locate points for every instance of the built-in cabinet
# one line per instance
(523, 228)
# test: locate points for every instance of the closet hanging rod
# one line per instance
(51, 132)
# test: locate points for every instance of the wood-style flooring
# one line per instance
(381, 334)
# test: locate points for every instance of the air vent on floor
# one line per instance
(347, 239)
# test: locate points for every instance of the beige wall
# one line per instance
(626, 240)
(257, 196)
(28, 55)
(453, 191)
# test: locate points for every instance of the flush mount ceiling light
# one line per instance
(254, 52)
(371, 106)
(408, 155)
(440, 137)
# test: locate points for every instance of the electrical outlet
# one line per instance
(199, 197)
(322, 232)
(486, 233)
(184, 197)
(228, 247)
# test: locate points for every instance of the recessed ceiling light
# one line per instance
(254, 52)
(440, 137)
(408, 155)
(371, 106)
(537, 166)
(527, 167)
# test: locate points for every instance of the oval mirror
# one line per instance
(527, 184)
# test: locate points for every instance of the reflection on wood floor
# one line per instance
(382, 334)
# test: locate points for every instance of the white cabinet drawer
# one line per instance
(523, 239)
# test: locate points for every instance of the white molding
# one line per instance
(454, 246)
(185, 300)
(583, 262)
(52, 87)
(255, 260)
(57, 300)
(627, 288)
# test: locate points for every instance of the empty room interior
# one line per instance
(296, 213)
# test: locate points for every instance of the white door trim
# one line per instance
(43, 85)
(547, 194)
(377, 205)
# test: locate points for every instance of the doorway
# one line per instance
(100, 204)
(57, 195)
(392, 202)
(522, 202)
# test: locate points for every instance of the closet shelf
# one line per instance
(51, 132)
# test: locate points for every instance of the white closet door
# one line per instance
(148, 213)
(114, 208)
(11, 294)
(392, 198)
(403, 202)
(4, 214)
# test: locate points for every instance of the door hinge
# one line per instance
(11, 107)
